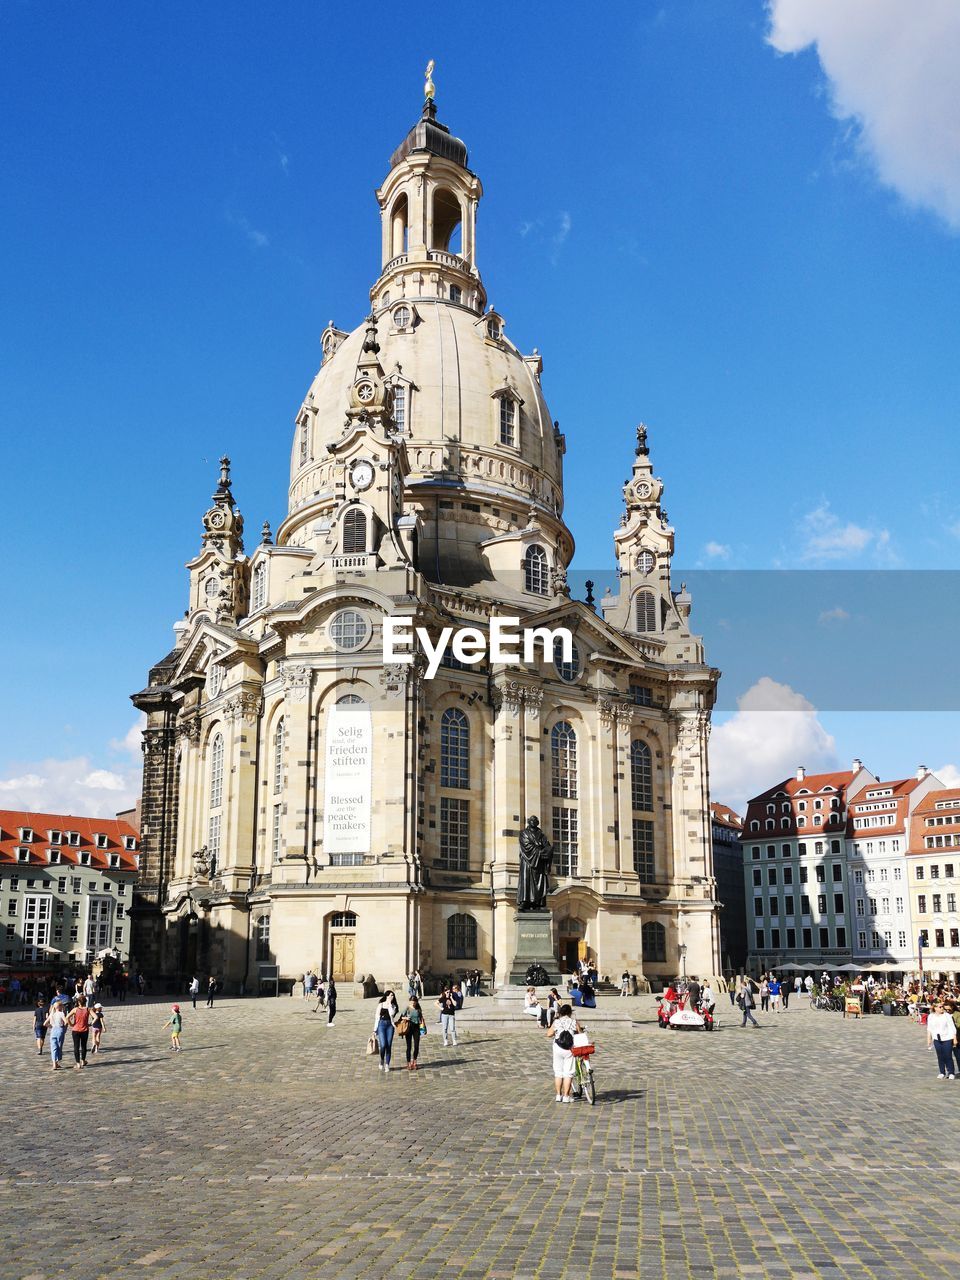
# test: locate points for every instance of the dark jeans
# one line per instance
(385, 1039)
(785, 994)
(80, 1045)
(413, 1044)
(765, 1003)
(210, 995)
(733, 995)
(944, 1050)
(331, 1011)
(748, 1013)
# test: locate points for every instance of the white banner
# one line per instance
(347, 779)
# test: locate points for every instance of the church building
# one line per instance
(311, 801)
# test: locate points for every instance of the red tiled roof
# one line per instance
(930, 801)
(724, 816)
(11, 820)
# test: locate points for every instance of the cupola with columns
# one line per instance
(218, 573)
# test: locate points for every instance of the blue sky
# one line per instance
(754, 251)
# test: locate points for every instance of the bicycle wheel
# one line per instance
(576, 1084)
(589, 1085)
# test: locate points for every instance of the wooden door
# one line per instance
(344, 951)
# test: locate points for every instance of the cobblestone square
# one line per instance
(272, 1147)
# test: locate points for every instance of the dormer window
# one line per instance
(53, 856)
(259, 586)
(26, 834)
(535, 570)
(85, 858)
(494, 330)
(129, 843)
(114, 860)
(56, 837)
(101, 839)
(73, 837)
(402, 317)
(508, 421)
(23, 855)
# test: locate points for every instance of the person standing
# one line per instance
(809, 984)
(693, 993)
(384, 1027)
(785, 993)
(57, 1022)
(194, 989)
(412, 1027)
(625, 983)
(747, 1002)
(89, 990)
(773, 993)
(211, 990)
(764, 994)
(40, 1024)
(78, 1020)
(448, 1016)
(733, 986)
(707, 1000)
(331, 1002)
(321, 995)
(175, 1023)
(97, 1025)
(561, 1033)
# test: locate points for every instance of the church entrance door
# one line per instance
(344, 955)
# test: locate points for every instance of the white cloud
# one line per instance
(949, 775)
(72, 786)
(892, 71)
(132, 739)
(717, 551)
(836, 614)
(774, 730)
(824, 536)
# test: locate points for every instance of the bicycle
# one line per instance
(583, 1085)
(821, 1002)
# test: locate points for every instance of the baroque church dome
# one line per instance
(479, 436)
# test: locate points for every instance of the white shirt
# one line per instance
(706, 995)
(940, 1026)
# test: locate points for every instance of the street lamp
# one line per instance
(683, 960)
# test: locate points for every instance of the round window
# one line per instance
(566, 670)
(348, 629)
(645, 561)
(401, 317)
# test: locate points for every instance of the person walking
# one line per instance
(211, 990)
(942, 1035)
(57, 1022)
(733, 987)
(764, 994)
(89, 989)
(773, 993)
(412, 1026)
(384, 1027)
(97, 1025)
(321, 995)
(561, 1033)
(175, 1023)
(194, 989)
(785, 993)
(40, 1024)
(747, 1002)
(331, 1002)
(448, 1016)
(78, 1020)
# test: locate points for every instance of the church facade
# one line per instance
(312, 801)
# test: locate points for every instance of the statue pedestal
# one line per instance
(534, 945)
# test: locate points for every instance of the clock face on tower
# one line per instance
(361, 475)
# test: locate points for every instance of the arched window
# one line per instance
(454, 749)
(400, 406)
(535, 570)
(349, 700)
(654, 940)
(278, 742)
(446, 221)
(563, 756)
(641, 776)
(216, 771)
(398, 228)
(261, 931)
(260, 585)
(461, 938)
(354, 532)
(646, 611)
(304, 441)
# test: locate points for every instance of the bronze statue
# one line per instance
(536, 858)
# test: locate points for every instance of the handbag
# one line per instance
(403, 1026)
(372, 1046)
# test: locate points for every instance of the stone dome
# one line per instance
(452, 368)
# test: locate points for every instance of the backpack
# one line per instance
(564, 1040)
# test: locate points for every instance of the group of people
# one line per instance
(27, 990)
(79, 1014)
(411, 1023)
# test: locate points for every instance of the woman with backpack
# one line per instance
(564, 1028)
(412, 1026)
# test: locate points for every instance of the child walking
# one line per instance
(175, 1023)
(97, 1025)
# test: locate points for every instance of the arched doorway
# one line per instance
(343, 946)
(571, 942)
